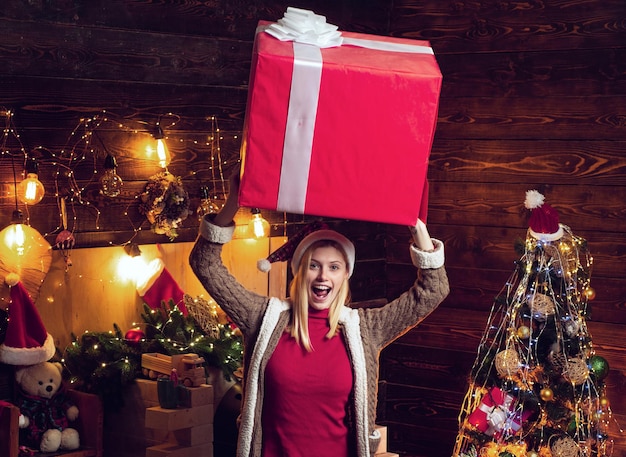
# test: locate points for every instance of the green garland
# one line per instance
(104, 363)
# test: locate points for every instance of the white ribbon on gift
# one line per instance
(304, 26)
(500, 417)
(309, 33)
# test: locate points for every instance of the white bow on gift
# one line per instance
(500, 417)
(304, 26)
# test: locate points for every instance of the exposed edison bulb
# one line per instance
(18, 239)
(110, 182)
(30, 190)
(162, 152)
(258, 227)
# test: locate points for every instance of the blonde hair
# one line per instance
(299, 295)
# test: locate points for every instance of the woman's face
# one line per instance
(324, 277)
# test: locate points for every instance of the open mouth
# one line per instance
(320, 291)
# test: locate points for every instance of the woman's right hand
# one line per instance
(421, 237)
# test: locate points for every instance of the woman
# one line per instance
(311, 362)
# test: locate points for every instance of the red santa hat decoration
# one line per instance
(27, 341)
(159, 286)
(544, 220)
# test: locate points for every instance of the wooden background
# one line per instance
(534, 96)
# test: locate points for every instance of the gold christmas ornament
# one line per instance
(590, 293)
(523, 332)
(546, 394)
(507, 362)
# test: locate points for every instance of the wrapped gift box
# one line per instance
(499, 414)
(341, 132)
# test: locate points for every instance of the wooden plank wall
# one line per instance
(534, 96)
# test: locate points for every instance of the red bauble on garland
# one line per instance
(134, 335)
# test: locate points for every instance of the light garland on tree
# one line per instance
(537, 352)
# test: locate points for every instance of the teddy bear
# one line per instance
(45, 409)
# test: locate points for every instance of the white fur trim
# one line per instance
(534, 199)
(270, 320)
(12, 279)
(264, 265)
(548, 236)
(215, 233)
(428, 260)
(152, 273)
(351, 322)
(28, 356)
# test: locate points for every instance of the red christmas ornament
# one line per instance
(135, 335)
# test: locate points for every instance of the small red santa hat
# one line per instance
(26, 341)
(324, 235)
(159, 286)
(285, 252)
(294, 249)
(544, 220)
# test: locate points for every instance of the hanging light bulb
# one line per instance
(258, 227)
(132, 266)
(14, 237)
(110, 182)
(207, 205)
(162, 152)
(21, 241)
(30, 191)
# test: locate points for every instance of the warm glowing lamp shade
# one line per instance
(258, 227)
(25, 252)
(30, 191)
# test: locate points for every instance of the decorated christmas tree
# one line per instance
(537, 388)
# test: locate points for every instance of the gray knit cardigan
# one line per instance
(262, 320)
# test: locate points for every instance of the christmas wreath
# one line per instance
(165, 203)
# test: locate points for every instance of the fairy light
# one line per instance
(80, 149)
(567, 291)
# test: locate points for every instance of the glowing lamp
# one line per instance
(30, 191)
(23, 248)
(162, 152)
(258, 227)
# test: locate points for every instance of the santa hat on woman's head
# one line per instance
(26, 341)
(285, 252)
(324, 235)
(544, 220)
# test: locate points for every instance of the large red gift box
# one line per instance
(499, 414)
(341, 132)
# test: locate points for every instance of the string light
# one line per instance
(546, 297)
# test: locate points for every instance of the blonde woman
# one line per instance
(311, 362)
